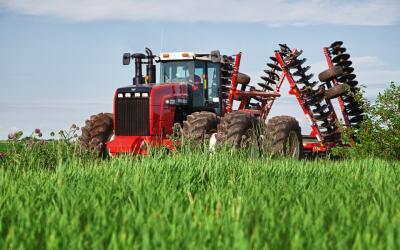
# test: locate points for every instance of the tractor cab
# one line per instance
(200, 72)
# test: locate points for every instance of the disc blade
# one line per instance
(298, 73)
(267, 79)
(338, 50)
(273, 58)
(312, 84)
(336, 44)
(341, 57)
(306, 78)
(344, 63)
(347, 78)
(348, 99)
(352, 83)
(265, 86)
(321, 116)
(284, 47)
(274, 66)
(320, 108)
(305, 69)
(351, 105)
(313, 101)
(354, 112)
(296, 63)
(357, 119)
(272, 74)
(348, 70)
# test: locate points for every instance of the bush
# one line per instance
(379, 133)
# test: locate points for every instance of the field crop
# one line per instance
(195, 200)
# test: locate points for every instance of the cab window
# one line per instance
(213, 76)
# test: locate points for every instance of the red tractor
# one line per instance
(196, 95)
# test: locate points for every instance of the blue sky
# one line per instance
(60, 61)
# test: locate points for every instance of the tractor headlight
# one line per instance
(128, 95)
(145, 95)
(137, 94)
(120, 95)
(177, 101)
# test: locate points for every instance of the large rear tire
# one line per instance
(199, 126)
(284, 137)
(97, 131)
(239, 129)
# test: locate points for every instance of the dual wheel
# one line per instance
(281, 135)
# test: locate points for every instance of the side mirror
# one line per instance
(215, 56)
(126, 58)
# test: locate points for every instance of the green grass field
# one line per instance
(194, 200)
(3, 146)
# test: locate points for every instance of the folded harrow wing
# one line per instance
(196, 95)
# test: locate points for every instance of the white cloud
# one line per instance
(269, 12)
(367, 62)
(370, 71)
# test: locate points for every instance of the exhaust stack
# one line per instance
(150, 67)
(138, 68)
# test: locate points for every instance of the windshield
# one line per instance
(177, 72)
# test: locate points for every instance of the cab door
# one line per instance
(212, 86)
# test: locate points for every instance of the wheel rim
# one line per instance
(292, 145)
(111, 138)
(212, 142)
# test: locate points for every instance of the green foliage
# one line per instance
(196, 200)
(379, 134)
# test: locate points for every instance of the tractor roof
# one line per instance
(214, 56)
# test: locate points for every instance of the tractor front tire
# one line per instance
(284, 137)
(199, 126)
(97, 131)
(239, 129)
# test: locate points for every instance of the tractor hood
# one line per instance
(149, 110)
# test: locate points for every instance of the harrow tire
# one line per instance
(330, 74)
(336, 91)
(237, 128)
(97, 131)
(284, 137)
(243, 79)
(199, 126)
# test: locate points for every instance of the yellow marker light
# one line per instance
(166, 55)
(185, 54)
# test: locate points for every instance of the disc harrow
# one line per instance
(311, 95)
(350, 101)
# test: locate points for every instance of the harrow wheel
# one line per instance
(284, 137)
(97, 131)
(239, 129)
(336, 91)
(199, 126)
(330, 74)
(243, 79)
